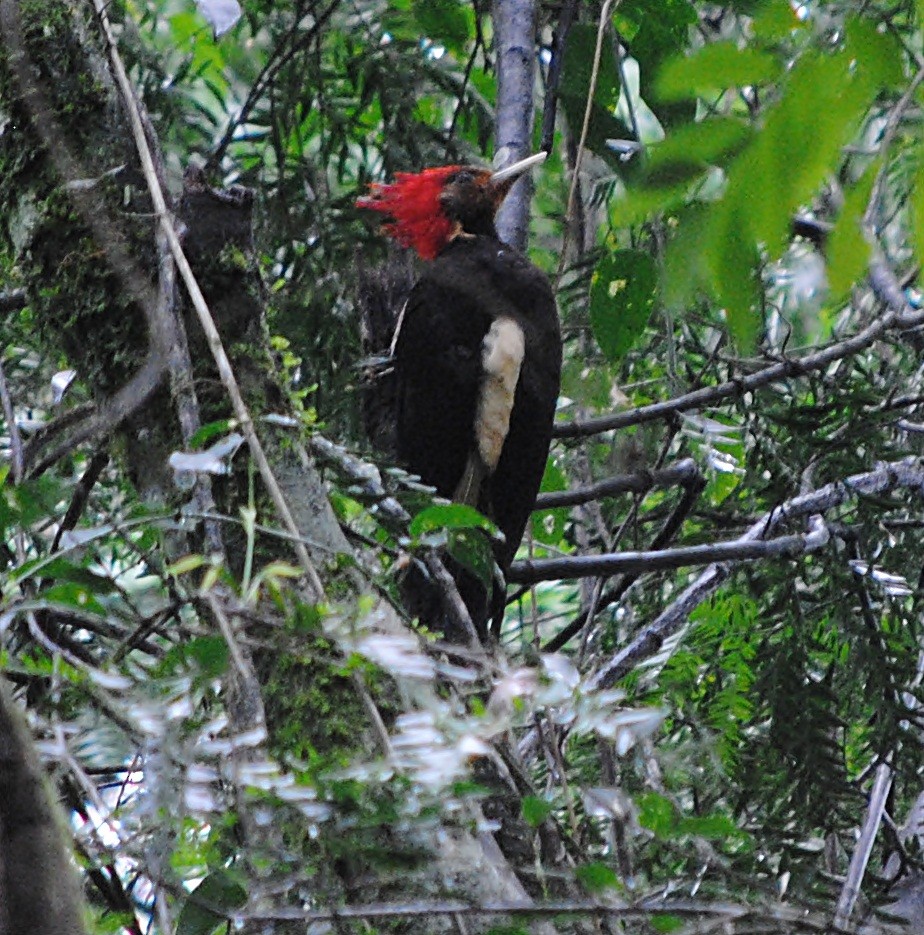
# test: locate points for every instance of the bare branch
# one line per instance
(636, 563)
(682, 472)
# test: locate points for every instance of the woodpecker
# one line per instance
(477, 349)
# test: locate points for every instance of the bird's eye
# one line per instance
(464, 176)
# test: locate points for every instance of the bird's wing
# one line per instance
(438, 370)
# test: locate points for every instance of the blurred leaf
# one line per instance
(917, 203)
(657, 814)
(666, 923)
(448, 516)
(848, 250)
(622, 295)
(596, 877)
(655, 30)
(446, 21)
(715, 67)
(877, 54)
(535, 810)
(208, 653)
(61, 569)
(686, 152)
(549, 525)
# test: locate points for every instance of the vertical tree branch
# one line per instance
(514, 43)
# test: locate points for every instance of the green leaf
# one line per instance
(666, 923)
(446, 21)
(917, 203)
(657, 814)
(60, 569)
(715, 827)
(449, 516)
(72, 595)
(733, 260)
(209, 431)
(596, 877)
(622, 295)
(535, 810)
(848, 250)
(688, 151)
(801, 145)
(471, 548)
(655, 30)
(878, 55)
(715, 67)
(549, 525)
(208, 906)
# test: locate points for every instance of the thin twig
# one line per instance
(585, 129)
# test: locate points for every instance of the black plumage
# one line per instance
(477, 355)
(438, 365)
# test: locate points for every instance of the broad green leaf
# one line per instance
(715, 67)
(877, 55)
(535, 810)
(596, 877)
(622, 294)
(448, 516)
(689, 150)
(848, 250)
(732, 259)
(207, 907)
(799, 147)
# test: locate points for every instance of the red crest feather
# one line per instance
(412, 202)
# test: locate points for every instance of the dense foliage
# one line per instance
(731, 214)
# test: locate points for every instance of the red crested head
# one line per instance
(413, 203)
(428, 209)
